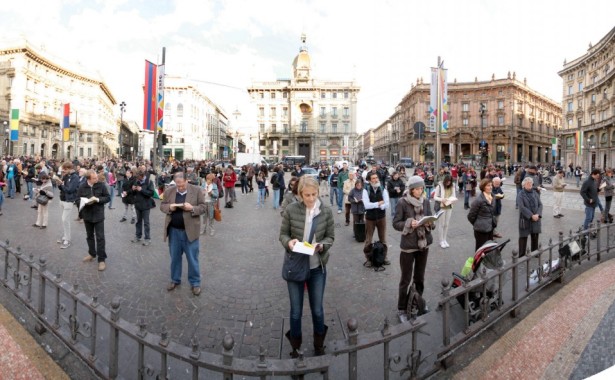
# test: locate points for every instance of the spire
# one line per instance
(302, 63)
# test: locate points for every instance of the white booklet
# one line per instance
(430, 218)
(449, 201)
(85, 201)
(304, 247)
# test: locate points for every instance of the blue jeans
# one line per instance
(178, 245)
(393, 203)
(261, 197)
(111, 191)
(428, 190)
(1, 199)
(276, 199)
(119, 185)
(11, 187)
(316, 292)
(589, 217)
(466, 198)
(340, 199)
(333, 195)
(30, 187)
(244, 186)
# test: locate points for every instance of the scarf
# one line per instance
(421, 231)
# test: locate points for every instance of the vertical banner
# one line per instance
(149, 97)
(14, 124)
(578, 140)
(554, 146)
(433, 99)
(443, 100)
(66, 122)
(160, 97)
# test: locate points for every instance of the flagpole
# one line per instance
(438, 116)
(155, 158)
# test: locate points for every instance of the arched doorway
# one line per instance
(31, 149)
(43, 146)
(54, 151)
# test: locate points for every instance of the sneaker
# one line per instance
(102, 266)
(339, 211)
(196, 290)
(43, 227)
(65, 244)
(36, 225)
(403, 317)
(135, 240)
(60, 241)
(442, 244)
(172, 286)
(133, 221)
(387, 262)
(147, 242)
(203, 232)
(446, 243)
(211, 232)
(561, 215)
(123, 220)
(88, 258)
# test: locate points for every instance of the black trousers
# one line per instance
(481, 238)
(411, 262)
(96, 230)
(523, 244)
(142, 225)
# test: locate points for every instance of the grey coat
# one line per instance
(529, 204)
(481, 214)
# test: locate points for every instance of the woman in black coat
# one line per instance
(530, 215)
(482, 214)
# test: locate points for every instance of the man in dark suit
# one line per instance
(93, 215)
(143, 190)
(183, 205)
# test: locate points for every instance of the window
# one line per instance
(285, 95)
(273, 95)
(89, 152)
(180, 127)
(334, 111)
(273, 128)
(569, 90)
(579, 123)
(262, 95)
(334, 95)
(592, 118)
(285, 127)
(581, 73)
(593, 99)
(273, 112)
(262, 128)
(334, 128)
(261, 111)
(346, 112)
(284, 142)
(346, 128)
(465, 122)
(180, 110)
(323, 95)
(88, 137)
(570, 109)
(323, 142)
(323, 111)
(346, 94)
(500, 104)
(465, 107)
(303, 126)
(580, 87)
(569, 142)
(500, 120)
(285, 112)
(322, 127)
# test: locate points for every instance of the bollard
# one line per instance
(227, 355)
(114, 335)
(353, 336)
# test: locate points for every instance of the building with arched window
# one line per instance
(305, 116)
(588, 107)
(38, 86)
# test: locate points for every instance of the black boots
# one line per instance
(295, 343)
(319, 342)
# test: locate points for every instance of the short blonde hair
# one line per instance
(305, 181)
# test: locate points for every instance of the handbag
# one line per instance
(42, 199)
(296, 266)
(217, 214)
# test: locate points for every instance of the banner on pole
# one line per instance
(554, 146)
(149, 97)
(160, 97)
(66, 122)
(438, 100)
(578, 141)
(14, 124)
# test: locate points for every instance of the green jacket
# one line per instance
(341, 178)
(293, 222)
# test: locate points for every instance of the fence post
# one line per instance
(353, 336)
(39, 327)
(515, 281)
(114, 338)
(446, 331)
(563, 264)
(598, 240)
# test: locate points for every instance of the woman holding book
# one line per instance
(482, 214)
(415, 241)
(446, 196)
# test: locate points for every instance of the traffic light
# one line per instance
(422, 149)
(163, 139)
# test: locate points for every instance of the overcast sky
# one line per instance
(383, 45)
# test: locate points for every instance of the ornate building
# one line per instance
(516, 121)
(588, 105)
(38, 87)
(304, 116)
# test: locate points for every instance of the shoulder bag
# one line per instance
(296, 266)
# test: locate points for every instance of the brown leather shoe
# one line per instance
(88, 258)
(172, 286)
(196, 290)
(102, 266)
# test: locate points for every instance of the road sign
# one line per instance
(419, 129)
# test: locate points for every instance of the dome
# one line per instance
(302, 63)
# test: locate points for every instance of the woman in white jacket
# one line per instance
(446, 196)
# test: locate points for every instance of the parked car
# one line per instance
(237, 172)
(310, 172)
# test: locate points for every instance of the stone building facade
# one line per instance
(517, 124)
(588, 106)
(305, 116)
(38, 86)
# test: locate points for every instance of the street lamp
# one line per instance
(6, 134)
(122, 109)
(482, 148)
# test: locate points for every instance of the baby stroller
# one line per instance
(488, 256)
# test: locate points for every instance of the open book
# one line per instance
(304, 247)
(430, 218)
(86, 201)
(449, 201)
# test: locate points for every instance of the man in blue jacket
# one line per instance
(589, 192)
(68, 185)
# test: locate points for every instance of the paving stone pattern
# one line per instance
(243, 292)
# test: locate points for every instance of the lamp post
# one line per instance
(122, 109)
(482, 147)
(6, 136)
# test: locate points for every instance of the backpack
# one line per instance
(415, 301)
(376, 257)
(229, 204)
(518, 177)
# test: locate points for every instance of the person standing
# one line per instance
(68, 185)
(396, 188)
(333, 180)
(210, 192)
(481, 214)
(183, 204)
(414, 243)
(589, 193)
(11, 173)
(608, 195)
(342, 176)
(530, 215)
(128, 197)
(43, 209)
(348, 186)
(446, 195)
(260, 185)
(275, 186)
(578, 174)
(356, 202)
(469, 185)
(308, 220)
(143, 190)
(376, 202)
(498, 195)
(93, 215)
(228, 179)
(282, 183)
(558, 193)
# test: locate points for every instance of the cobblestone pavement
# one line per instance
(243, 292)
